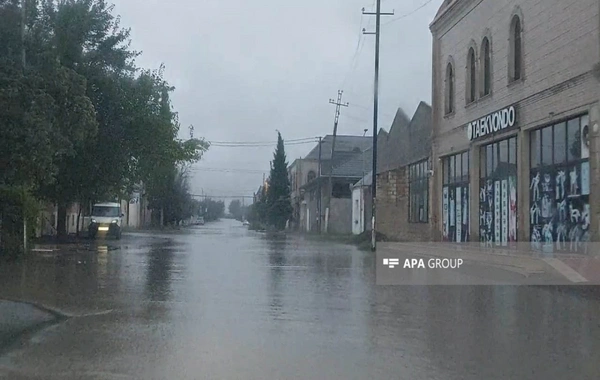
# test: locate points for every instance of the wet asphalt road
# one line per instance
(221, 302)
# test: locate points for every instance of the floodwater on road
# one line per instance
(222, 302)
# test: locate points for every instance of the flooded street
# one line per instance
(222, 302)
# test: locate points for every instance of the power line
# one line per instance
(229, 170)
(262, 142)
(356, 53)
(261, 145)
(206, 196)
(408, 14)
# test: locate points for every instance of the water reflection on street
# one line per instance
(225, 303)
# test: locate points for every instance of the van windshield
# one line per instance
(105, 211)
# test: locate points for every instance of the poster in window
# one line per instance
(445, 213)
(585, 178)
(452, 209)
(497, 220)
(458, 214)
(512, 211)
(465, 213)
(504, 212)
(585, 137)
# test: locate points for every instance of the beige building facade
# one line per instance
(516, 146)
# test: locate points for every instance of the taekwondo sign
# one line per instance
(493, 123)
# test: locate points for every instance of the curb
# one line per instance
(56, 313)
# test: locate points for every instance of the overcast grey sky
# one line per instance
(244, 69)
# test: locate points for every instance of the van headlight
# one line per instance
(116, 221)
(93, 220)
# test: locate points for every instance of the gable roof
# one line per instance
(409, 140)
(356, 166)
(388, 154)
(343, 143)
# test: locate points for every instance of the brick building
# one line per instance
(403, 195)
(515, 115)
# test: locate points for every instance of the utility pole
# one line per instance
(338, 104)
(377, 33)
(319, 213)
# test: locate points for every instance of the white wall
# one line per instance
(358, 211)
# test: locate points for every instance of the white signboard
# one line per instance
(492, 123)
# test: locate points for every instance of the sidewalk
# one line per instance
(576, 269)
(18, 318)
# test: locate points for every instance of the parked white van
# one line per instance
(106, 220)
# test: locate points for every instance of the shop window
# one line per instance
(547, 146)
(455, 198)
(560, 144)
(498, 193)
(418, 189)
(560, 187)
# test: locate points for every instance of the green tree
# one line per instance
(235, 209)
(279, 207)
(213, 210)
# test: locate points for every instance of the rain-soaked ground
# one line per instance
(221, 302)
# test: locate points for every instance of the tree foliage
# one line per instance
(235, 209)
(79, 121)
(279, 206)
(212, 210)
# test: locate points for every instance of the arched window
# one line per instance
(449, 89)
(516, 56)
(311, 176)
(471, 77)
(486, 66)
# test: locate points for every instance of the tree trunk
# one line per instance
(61, 225)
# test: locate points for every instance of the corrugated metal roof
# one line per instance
(342, 144)
(356, 166)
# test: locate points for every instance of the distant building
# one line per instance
(306, 190)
